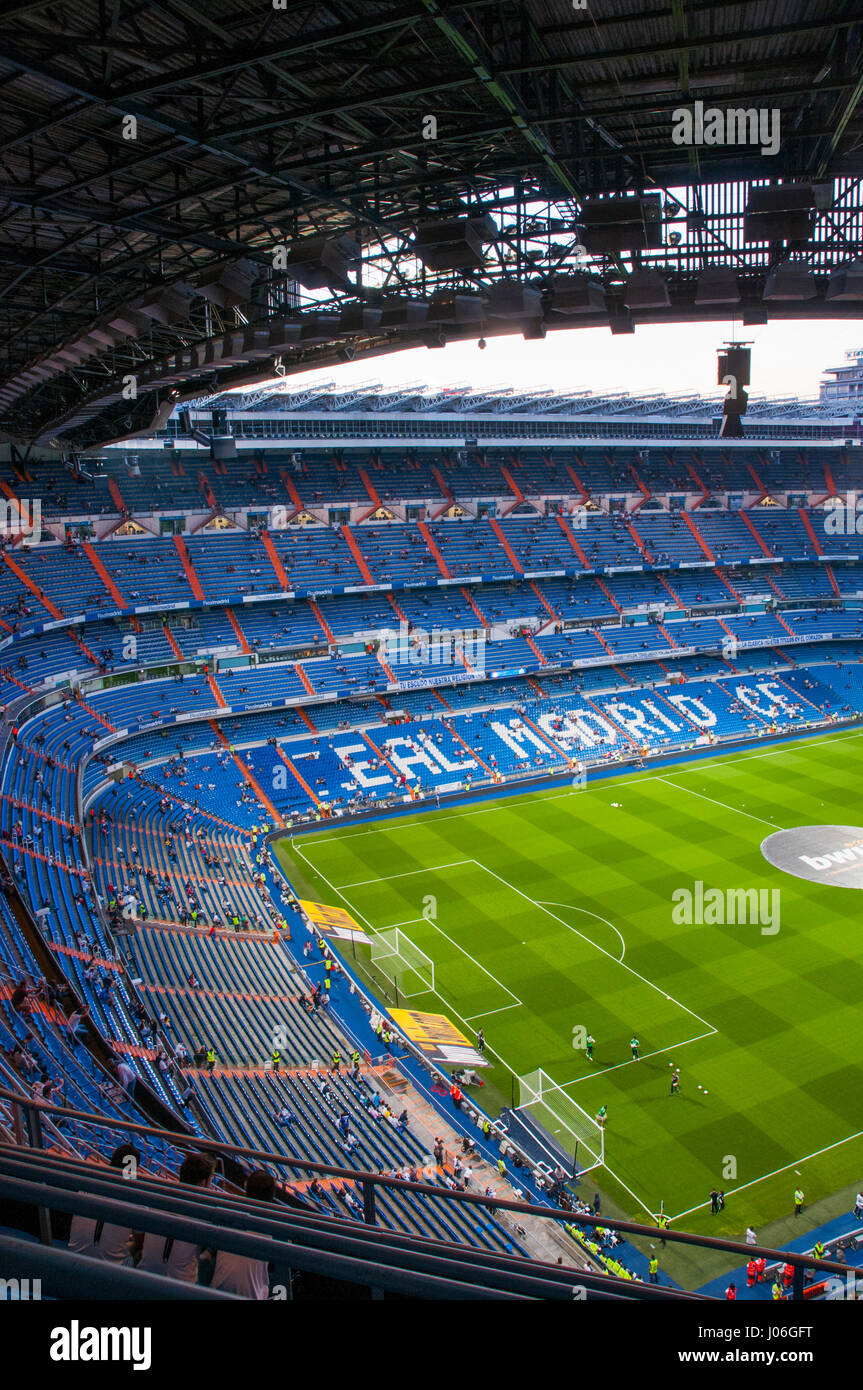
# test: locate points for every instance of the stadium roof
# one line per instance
(376, 400)
(194, 190)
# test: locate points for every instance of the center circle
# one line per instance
(830, 854)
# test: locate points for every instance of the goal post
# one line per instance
(403, 962)
(550, 1107)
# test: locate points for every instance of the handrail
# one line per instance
(67, 1273)
(350, 1251)
(369, 1182)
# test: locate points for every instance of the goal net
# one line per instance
(402, 961)
(549, 1106)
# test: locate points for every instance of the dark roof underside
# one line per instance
(182, 144)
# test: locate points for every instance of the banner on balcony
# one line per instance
(333, 921)
(438, 1039)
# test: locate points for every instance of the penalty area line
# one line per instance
(732, 1192)
(650, 984)
(633, 1061)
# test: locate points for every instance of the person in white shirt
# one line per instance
(751, 1237)
(126, 1076)
(239, 1274)
(99, 1239)
(177, 1259)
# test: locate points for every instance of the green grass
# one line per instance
(536, 898)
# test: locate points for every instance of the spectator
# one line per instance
(100, 1239)
(178, 1259)
(239, 1274)
(126, 1076)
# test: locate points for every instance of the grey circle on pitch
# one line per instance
(831, 854)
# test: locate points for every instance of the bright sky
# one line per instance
(787, 359)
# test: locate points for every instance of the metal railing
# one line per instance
(337, 1247)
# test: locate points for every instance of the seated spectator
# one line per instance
(239, 1274)
(100, 1239)
(177, 1259)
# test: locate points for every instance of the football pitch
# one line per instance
(551, 915)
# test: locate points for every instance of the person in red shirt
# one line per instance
(751, 1274)
(731, 1293)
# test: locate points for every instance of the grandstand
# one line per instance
(356, 742)
(180, 710)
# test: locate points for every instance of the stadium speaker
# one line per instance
(508, 299)
(184, 420)
(621, 322)
(717, 284)
(736, 362)
(223, 447)
(320, 262)
(449, 307)
(220, 421)
(256, 343)
(229, 283)
(397, 312)
(166, 304)
(846, 282)
(783, 213)
(646, 289)
(732, 425)
(360, 318)
(318, 327)
(576, 294)
(455, 243)
(790, 281)
(611, 225)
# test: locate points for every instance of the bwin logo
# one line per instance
(851, 854)
(715, 908)
(734, 126)
(77, 1343)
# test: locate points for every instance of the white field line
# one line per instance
(632, 1062)
(737, 810)
(505, 803)
(634, 1195)
(570, 907)
(409, 873)
(415, 921)
(487, 1013)
(601, 949)
(375, 930)
(816, 1153)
